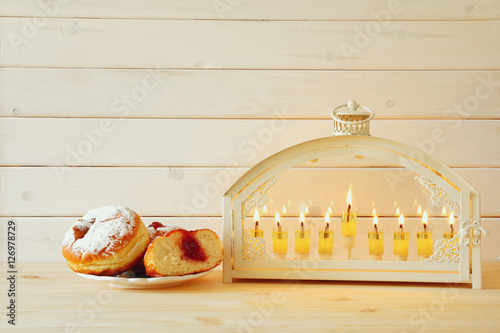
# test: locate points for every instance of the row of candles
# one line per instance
(349, 226)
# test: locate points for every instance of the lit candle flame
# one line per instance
(374, 212)
(375, 221)
(330, 210)
(398, 212)
(256, 216)
(256, 219)
(301, 221)
(349, 198)
(419, 210)
(264, 209)
(452, 216)
(284, 210)
(327, 218)
(349, 204)
(424, 219)
(277, 218)
(443, 212)
(401, 221)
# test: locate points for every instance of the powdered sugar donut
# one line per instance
(106, 241)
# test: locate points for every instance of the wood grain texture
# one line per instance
(198, 191)
(257, 9)
(223, 142)
(246, 94)
(208, 305)
(39, 239)
(92, 43)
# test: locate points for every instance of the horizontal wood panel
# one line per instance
(198, 191)
(257, 9)
(249, 45)
(222, 142)
(245, 94)
(39, 239)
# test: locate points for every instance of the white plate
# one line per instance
(144, 282)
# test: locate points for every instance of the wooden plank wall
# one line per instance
(162, 105)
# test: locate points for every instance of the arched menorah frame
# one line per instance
(450, 262)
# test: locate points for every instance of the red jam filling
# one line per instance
(192, 249)
(80, 231)
(155, 225)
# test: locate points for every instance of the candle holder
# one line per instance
(349, 222)
(375, 244)
(325, 244)
(280, 242)
(274, 182)
(302, 243)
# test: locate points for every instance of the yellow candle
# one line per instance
(302, 240)
(375, 241)
(452, 233)
(325, 240)
(424, 240)
(401, 241)
(256, 232)
(280, 239)
(349, 224)
(349, 219)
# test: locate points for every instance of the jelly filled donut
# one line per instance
(156, 229)
(182, 252)
(106, 241)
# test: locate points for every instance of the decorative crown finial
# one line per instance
(353, 121)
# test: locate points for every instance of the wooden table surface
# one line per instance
(50, 297)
